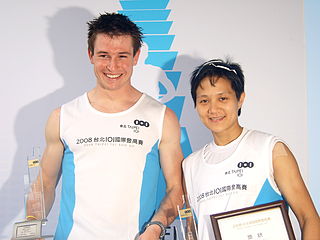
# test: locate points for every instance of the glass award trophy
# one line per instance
(187, 224)
(35, 214)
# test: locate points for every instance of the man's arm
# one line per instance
(291, 185)
(171, 157)
(50, 162)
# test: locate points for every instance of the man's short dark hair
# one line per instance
(114, 24)
(215, 69)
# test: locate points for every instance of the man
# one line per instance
(241, 167)
(107, 142)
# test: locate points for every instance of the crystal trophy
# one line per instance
(188, 225)
(35, 214)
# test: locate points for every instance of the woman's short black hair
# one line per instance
(214, 69)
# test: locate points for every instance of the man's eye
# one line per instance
(223, 99)
(203, 101)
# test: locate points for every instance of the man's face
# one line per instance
(218, 106)
(113, 61)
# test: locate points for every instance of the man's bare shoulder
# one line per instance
(53, 124)
(56, 112)
(54, 115)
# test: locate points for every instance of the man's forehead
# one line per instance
(115, 43)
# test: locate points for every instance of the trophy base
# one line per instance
(29, 230)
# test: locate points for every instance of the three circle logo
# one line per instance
(245, 165)
(141, 123)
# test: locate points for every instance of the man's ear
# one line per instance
(90, 54)
(136, 57)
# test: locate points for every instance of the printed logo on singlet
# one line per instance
(134, 128)
(238, 172)
(109, 141)
(245, 165)
(137, 124)
(220, 191)
(141, 123)
(240, 168)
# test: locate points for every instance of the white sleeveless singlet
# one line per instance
(242, 180)
(110, 169)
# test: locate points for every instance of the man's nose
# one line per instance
(112, 64)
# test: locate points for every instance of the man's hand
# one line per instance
(151, 233)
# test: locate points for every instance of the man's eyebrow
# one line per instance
(105, 52)
(102, 52)
(127, 53)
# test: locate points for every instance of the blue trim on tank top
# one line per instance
(67, 202)
(267, 194)
(150, 193)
